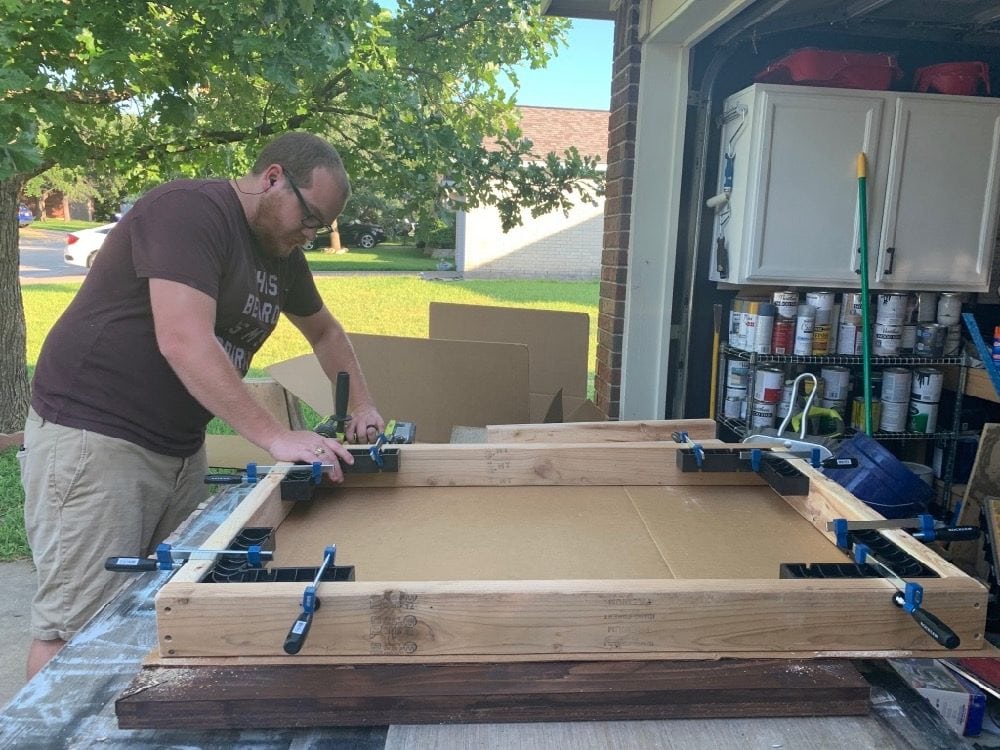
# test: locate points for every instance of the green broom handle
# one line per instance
(865, 323)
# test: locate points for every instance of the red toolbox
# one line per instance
(836, 68)
(968, 78)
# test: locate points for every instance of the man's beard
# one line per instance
(263, 228)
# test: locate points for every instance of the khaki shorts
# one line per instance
(89, 497)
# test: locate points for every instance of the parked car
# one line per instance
(352, 234)
(24, 215)
(83, 245)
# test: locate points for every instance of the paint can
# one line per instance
(850, 304)
(783, 336)
(896, 384)
(876, 384)
(734, 403)
(849, 338)
(858, 413)
(930, 340)
(927, 384)
(804, 324)
(952, 340)
(822, 302)
(887, 338)
(787, 304)
(767, 383)
(922, 418)
(907, 339)
(836, 382)
(894, 416)
(737, 373)
(927, 307)
(762, 416)
(949, 308)
(891, 307)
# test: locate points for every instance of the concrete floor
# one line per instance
(17, 586)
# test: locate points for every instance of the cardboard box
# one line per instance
(960, 703)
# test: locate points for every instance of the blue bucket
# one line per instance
(880, 479)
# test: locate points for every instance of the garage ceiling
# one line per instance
(967, 22)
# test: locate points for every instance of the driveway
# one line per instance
(42, 256)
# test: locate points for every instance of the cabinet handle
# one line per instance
(891, 255)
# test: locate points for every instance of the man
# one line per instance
(185, 290)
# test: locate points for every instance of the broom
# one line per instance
(865, 323)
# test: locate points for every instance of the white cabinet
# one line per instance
(792, 214)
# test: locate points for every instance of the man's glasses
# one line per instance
(309, 220)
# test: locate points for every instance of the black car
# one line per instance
(352, 234)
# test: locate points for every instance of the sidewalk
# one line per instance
(17, 586)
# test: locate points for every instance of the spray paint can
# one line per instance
(804, 324)
(849, 338)
(765, 328)
(783, 336)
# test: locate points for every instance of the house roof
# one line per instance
(557, 128)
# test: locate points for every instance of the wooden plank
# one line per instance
(259, 697)
(601, 432)
(498, 618)
(519, 464)
(977, 383)
(984, 481)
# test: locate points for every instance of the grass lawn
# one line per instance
(387, 305)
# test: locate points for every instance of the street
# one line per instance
(42, 255)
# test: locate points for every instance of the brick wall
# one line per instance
(553, 246)
(618, 208)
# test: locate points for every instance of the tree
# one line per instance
(150, 91)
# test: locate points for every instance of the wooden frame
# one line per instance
(544, 620)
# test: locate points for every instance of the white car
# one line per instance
(82, 246)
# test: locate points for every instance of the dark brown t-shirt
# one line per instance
(100, 368)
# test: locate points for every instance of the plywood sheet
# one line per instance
(553, 533)
(557, 344)
(433, 383)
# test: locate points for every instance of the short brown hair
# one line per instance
(300, 153)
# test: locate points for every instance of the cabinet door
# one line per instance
(803, 226)
(940, 219)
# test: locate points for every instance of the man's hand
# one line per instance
(301, 445)
(365, 425)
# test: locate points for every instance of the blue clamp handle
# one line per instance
(317, 472)
(815, 460)
(679, 437)
(755, 459)
(699, 454)
(252, 476)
